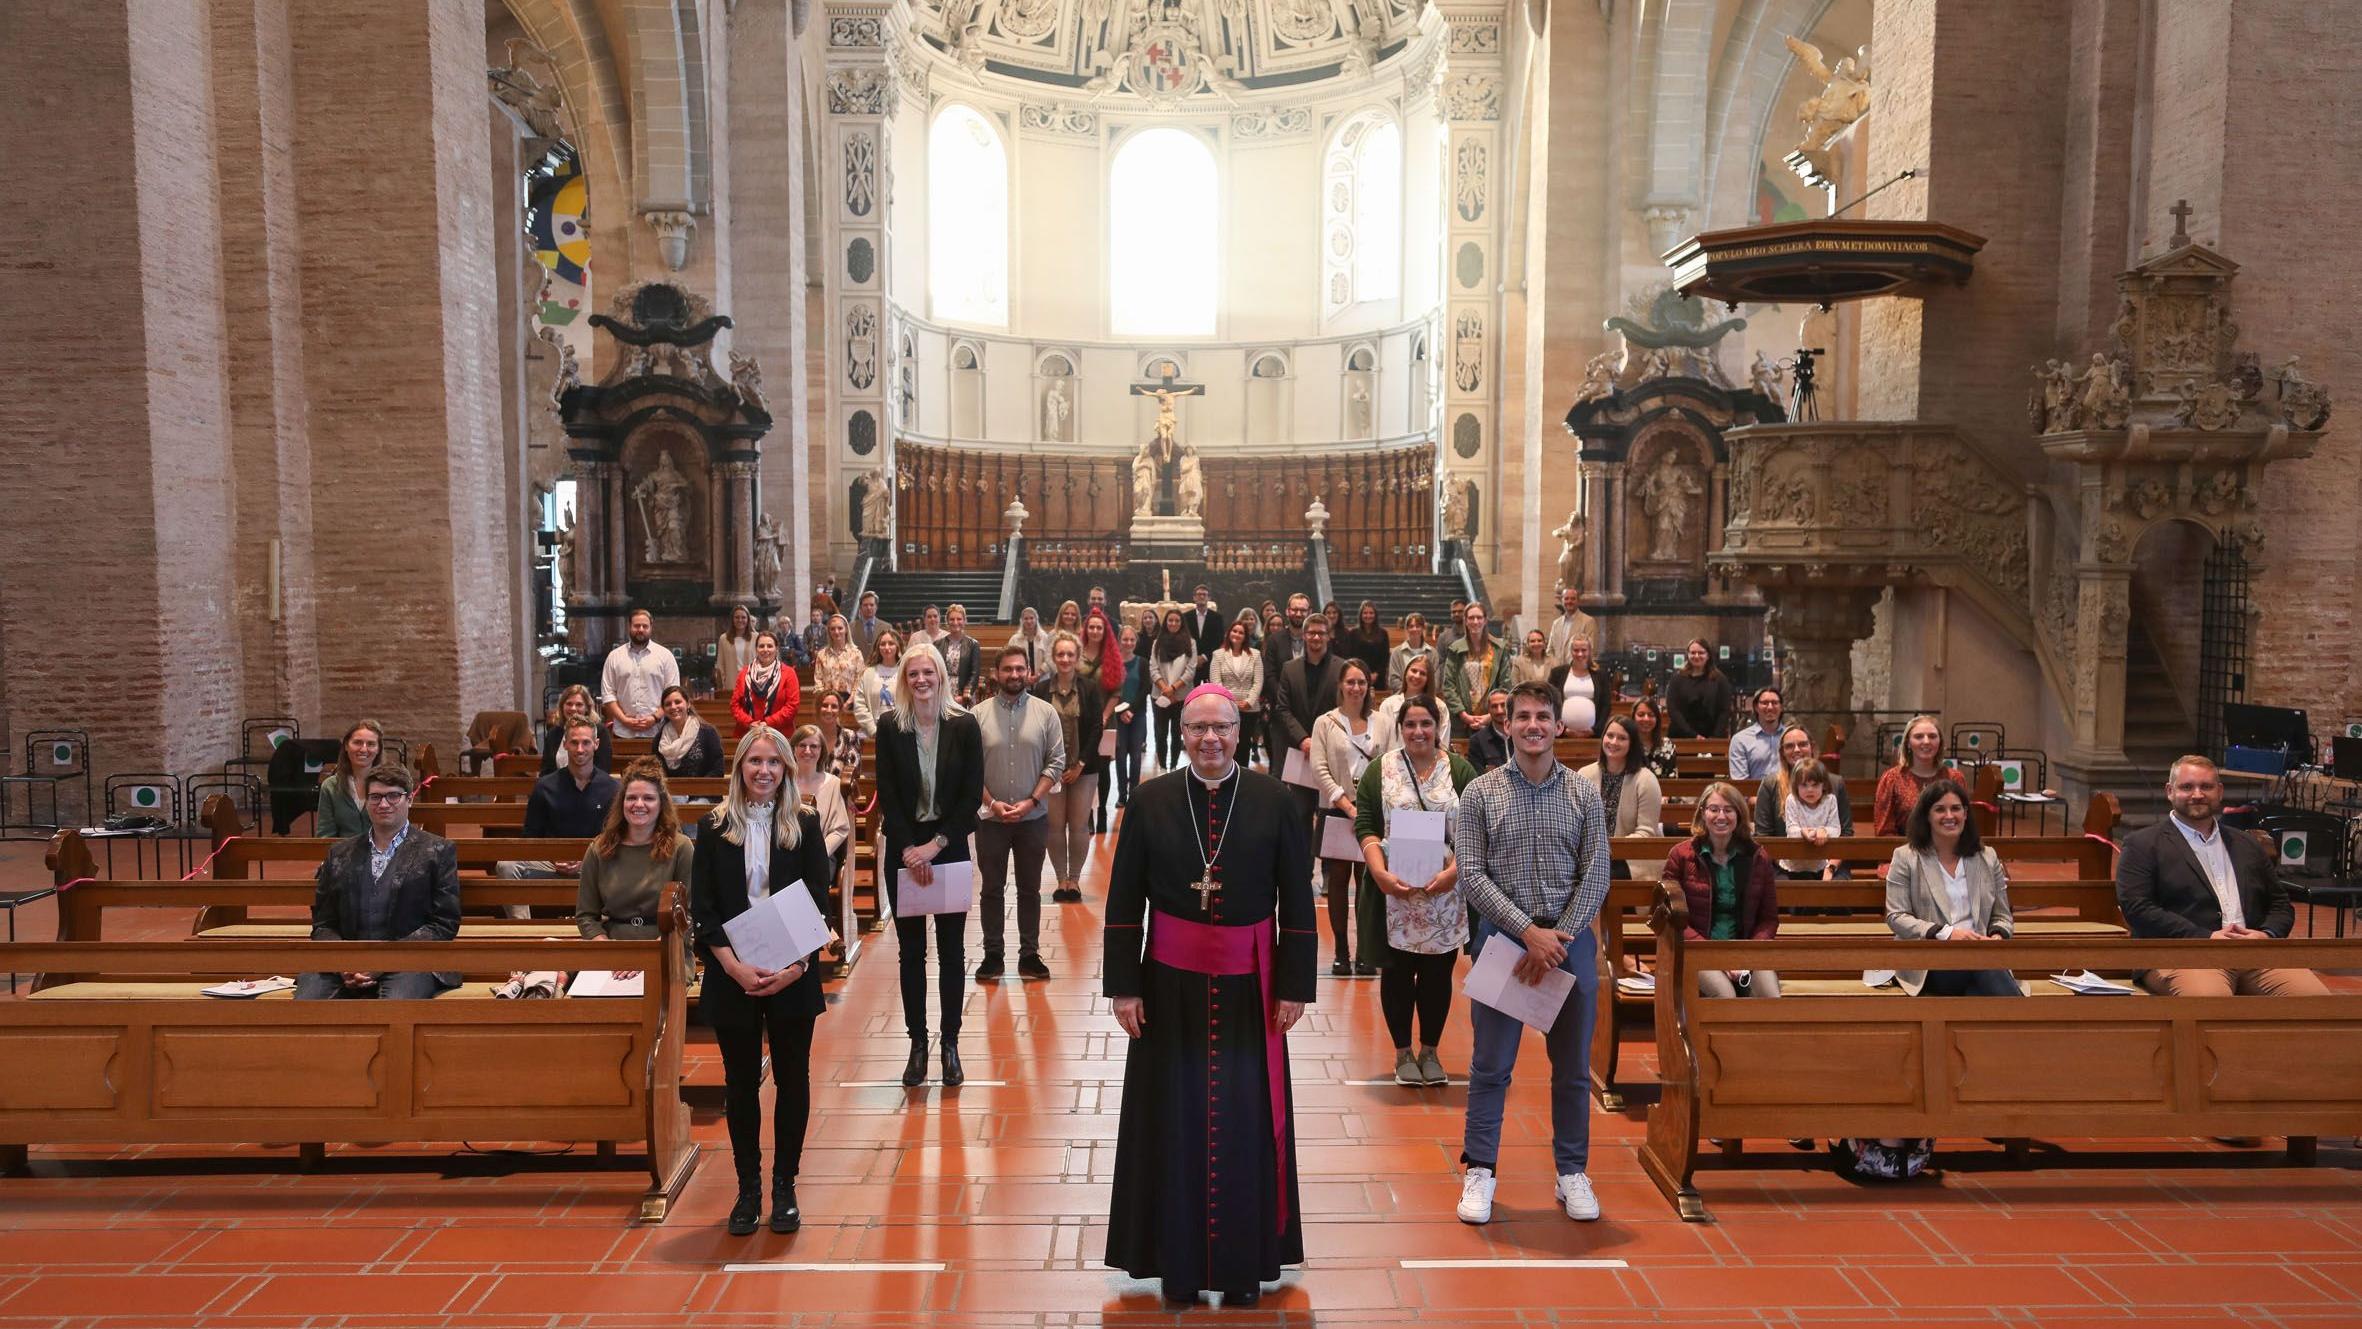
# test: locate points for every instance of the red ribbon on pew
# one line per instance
(201, 868)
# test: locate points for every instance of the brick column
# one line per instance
(402, 364)
(116, 574)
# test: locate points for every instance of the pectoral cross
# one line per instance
(1205, 887)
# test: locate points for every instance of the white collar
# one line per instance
(1214, 784)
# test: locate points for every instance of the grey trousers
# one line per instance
(1029, 841)
(392, 987)
(1070, 826)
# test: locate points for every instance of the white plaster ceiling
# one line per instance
(1165, 50)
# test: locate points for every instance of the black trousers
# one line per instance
(951, 959)
(1409, 982)
(741, 1046)
(1168, 735)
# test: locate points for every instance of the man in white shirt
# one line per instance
(1572, 624)
(631, 686)
(1755, 750)
(2190, 876)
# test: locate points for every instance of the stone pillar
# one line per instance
(401, 363)
(254, 127)
(1816, 627)
(116, 570)
(863, 94)
(766, 294)
(1469, 107)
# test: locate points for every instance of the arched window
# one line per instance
(967, 219)
(1361, 212)
(1164, 220)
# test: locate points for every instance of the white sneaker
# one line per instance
(1476, 1196)
(1574, 1191)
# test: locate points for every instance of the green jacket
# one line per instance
(337, 815)
(1455, 676)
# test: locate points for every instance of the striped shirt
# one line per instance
(1532, 852)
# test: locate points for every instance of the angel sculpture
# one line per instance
(1843, 99)
(1599, 377)
(1571, 538)
(2107, 394)
(746, 379)
(1764, 375)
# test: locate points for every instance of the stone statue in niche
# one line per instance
(1665, 498)
(662, 497)
(2107, 394)
(1357, 411)
(1571, 538)
(1056, 410)
(568, 539)
(770, 557)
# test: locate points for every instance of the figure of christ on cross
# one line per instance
(1162, 452)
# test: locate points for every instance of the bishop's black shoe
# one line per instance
(748, 1212)
(1176, 1300)
(1247, 1297)
(914, 1072)
(953, 1075)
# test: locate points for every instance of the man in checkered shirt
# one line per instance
(1532, 845)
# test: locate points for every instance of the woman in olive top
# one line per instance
(1730, 887)
(339, 814)
(1418, 926)
(759, 840)
(632, 857)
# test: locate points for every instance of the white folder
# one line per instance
(1492, 980)
(1337, 840)
(953, 891)
(778, 930)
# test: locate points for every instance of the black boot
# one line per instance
(952, 1074)
(914, 1072)
(748, 1212)
(785, 1216)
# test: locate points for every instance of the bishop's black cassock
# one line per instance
(1205, 1184)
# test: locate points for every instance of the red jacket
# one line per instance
(780, 715)
(1759, 899)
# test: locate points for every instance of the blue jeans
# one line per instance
(1494, 1055)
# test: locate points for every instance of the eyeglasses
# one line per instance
(389, 797)
(1202, 730)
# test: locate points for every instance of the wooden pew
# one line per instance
(518, 788)
(2044, 908)
(137, 1055)
(1996, 1067)
(82, 911)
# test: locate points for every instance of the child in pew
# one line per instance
(1810, 814)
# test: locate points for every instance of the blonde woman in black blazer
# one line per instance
(758, 839)
(921, 832)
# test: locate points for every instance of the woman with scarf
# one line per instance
(686, 744)
(767, 692)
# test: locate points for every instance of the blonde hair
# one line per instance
(1784, 778)
(731, 815)
(1903, 749)
(1742, 834)
(903, 703)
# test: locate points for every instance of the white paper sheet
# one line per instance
(1415, 849)
(1338, 842)
(1297, 770)
(245, 988)
(2088, 984)
(1492, 980)
(953, 892)
(611, 982)
(781, 929)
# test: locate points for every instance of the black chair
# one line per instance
(258, 737)
(237, 786)
(1977, 740)
(2316, 861)
(54, 760)
(140, 806)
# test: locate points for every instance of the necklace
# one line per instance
(1205, 885)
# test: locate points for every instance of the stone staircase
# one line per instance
(902, 595)
(1398, 593)
(2156, 728)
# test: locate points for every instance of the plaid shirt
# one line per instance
(1532, 852)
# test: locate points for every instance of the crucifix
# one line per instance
(1205, 887)
(1162, 451)
(2181, 211)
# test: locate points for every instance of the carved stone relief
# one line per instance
(859, 31)
(1270, 121)
(861, 90)
(1470, 179)
(861, 260)
(1468, 350)
(1467, 436)
(861, 346)
(861, 172)
(1058, 118)
(1472, 96)
(861, 433)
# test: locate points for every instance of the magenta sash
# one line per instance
(1216, 950)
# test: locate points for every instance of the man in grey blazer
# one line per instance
(2191, 876)
(393, 882)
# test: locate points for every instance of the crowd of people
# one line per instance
(1007, 764)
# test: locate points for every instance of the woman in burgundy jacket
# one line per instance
(1730, 887)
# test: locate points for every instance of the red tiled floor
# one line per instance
(1008, 1187)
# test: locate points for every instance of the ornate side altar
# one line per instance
(1168, 490)
(667, 464)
